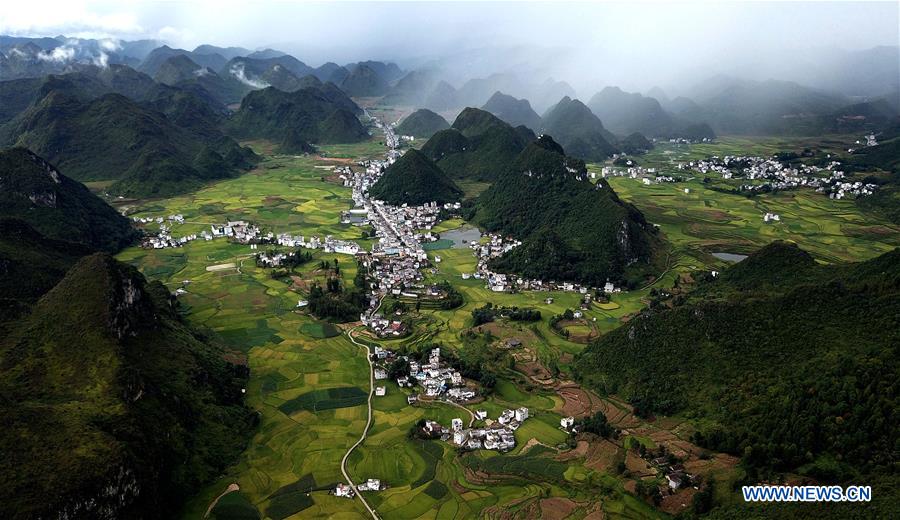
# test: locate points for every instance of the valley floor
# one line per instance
(309, 382)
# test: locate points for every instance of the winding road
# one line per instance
(366, 430)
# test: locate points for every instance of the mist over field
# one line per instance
(589, 45)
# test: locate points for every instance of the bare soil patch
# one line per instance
(557, 508)
(678, 502)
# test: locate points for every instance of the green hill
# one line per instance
(113, 406)
(788, 363)
(414, 179)
(30, 265)
(33, 190)
(514, 111)
(635, 143)
(114, 138)
(311, 115)
(422, 123)
(477, 146)
(545, 200)
(578, 130)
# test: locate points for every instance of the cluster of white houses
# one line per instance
(498, 434)
(237, 230)
(772, 174)
(437, 379)
(496, 246)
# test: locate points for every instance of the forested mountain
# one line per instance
(570, 229)
(793, 364)
(364, 81)
(104, 382)
(422, 123)
(578, 130)
(226, 52)
(310, 115)
(33, 190)
(160, 55)
(625, 113)
(415, 179)
(250, 70)
(514, 111)
(114, 138)
(477, 146)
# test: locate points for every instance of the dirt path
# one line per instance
(365, 430)
(231, 487)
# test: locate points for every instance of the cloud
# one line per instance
(101, 60)
(62, 54)
(237, 70)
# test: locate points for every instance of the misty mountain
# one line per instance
(364, 81)
(265, 54)
(249, 70)
(578, 130)
(514, 111)
(411, 89)
(181, 71)
(736, 106)
(442, 97)
(477, 91)
(625, 113)
(329, 71)
(389, 72)
(546, 94)
(422, 123)
(160, 55)
(225, 52)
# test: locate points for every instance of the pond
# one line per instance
(462, 236)
(729, 257)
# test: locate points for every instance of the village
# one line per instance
(777, 175)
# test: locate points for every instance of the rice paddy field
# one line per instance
(309, 382)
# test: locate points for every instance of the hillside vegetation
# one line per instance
(311, 115)
(113, 406)
(422, 123)
(790, 364)
(578, 130)
(33, 190)
(570, 228)
(477, 146)
(114, 138)
(414, 179)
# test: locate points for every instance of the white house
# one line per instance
(481, 415)
(522, 414)
(567, 422)
(380, 373)
(456, 424)
(379, 391)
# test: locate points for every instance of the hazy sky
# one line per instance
(615, 41)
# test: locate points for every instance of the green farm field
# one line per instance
(309, 382)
